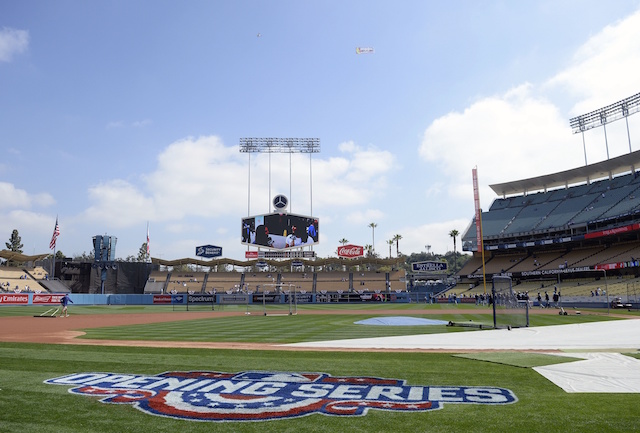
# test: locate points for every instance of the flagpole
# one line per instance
(52, 245)
(148, 258)
(53, 270)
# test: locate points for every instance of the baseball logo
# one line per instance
(280, 202)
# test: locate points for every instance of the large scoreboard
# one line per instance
(280, 231)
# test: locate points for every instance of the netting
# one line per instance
(508, 310)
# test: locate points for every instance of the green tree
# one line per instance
(142, 253)
(15, 242)
(390, 242)
(59, 255)
(368, 250)
(84, 257)
(343, 241)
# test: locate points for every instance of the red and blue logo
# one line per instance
(261, 395)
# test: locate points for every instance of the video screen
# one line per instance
(280, 231)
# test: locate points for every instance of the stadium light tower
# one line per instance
(279, 145)
(604, 115)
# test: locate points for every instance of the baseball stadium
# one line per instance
(537, 332)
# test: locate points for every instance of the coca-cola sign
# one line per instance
(350, 251)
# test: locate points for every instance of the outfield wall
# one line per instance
(13, 299)
(184, 298)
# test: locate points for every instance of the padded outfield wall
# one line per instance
(45, 299)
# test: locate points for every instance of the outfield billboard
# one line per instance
(429, 266)
(208, 251)
(279, 231)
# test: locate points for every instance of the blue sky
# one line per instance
(119, 113)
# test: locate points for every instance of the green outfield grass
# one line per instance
(29, 405)
(301, 328)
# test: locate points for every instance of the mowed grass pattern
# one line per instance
(282, 329)
(27, 404)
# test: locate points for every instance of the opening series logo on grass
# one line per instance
(261, 395)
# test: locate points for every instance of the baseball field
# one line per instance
(137, 368)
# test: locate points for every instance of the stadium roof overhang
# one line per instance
(287, 262)
(600, 170)
(21, 258)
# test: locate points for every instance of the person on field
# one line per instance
(64, 301)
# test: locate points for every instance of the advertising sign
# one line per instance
(208, 251)
(350, 251)
(432, 267)
(7, 298)
(162, 299)
(46, 299)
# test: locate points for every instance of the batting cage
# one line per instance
(509, 309)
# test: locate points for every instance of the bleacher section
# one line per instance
(397, 281)
(560, 209)
(371, 281)
(189, 282)
(332, 282)
(304, 282)
(17, 280)
(581, 238)
(221, 282)
(260, 281)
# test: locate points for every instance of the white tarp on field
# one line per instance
(598, 372)
(620, 335)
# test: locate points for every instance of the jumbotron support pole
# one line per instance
(280, 145)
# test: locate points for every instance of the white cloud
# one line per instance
(198, 177)
(34, 228)
(353, 179)
(365, 217)
(115, 124)
(141, 123)
(199, 188)
(436, 235)
(204, 178)
(118, 204)
(507, 137)
(19, 198)
(605, 68)
(12, 41)
(523, 133)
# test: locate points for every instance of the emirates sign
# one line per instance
(350, 251)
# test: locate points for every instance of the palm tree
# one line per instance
(343, 241)
(428, 247)
(397, 239)
(373, 236)
(390, 242)
(454, 233)
(369, 249)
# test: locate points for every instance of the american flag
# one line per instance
(54, 237)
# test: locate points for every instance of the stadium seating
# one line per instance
(18, 280)
(325, 281)
(302, 281)
(574, 232)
